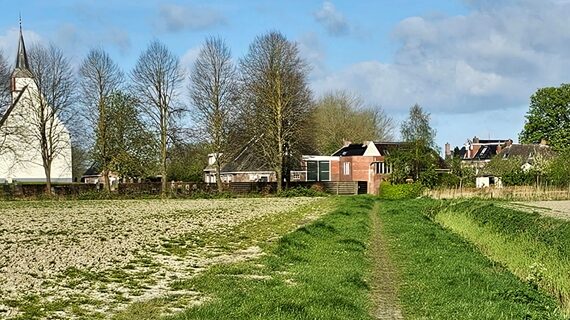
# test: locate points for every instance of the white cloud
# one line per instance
(9, 42)
(495, 57)
(174, 18)
(332, 20)
(189, 57)
(312, 50)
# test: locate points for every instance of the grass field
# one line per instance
(444, 277)
(531, 243)
(267, 258)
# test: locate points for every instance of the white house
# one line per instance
(20, 152)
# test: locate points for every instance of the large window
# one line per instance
(382, 168)
(324, 171)
(318, 170)
(312, 170)
(346, 168)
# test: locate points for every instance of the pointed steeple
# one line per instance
(22, 57)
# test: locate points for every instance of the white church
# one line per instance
(20, 142)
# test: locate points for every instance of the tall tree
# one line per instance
(156, 79)
(131, 151)
(341, 116)
(213, 90)
(5, 100)
(52, 105)
(278, 100)
(548, 117)
(100, 77)
(417, 131)
(5, 97)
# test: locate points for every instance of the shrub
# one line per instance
(400, 191)
(301, 192)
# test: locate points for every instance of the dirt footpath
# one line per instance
(555, 209)
(384, 276)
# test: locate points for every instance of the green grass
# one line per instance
(445, 277)
(319, 271)
(534, 247)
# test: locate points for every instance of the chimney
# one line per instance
(499, 148)
(508, 143)
(447, 150)
(543, 142)
(475, 139)
(345, 143)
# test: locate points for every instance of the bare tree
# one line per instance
(5, 98)
(156, 79)
(278, 100)
(213, 90)
(342, 115)
(52, 104)
(100, 77)
(5, 101)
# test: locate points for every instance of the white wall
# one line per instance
(20, 156)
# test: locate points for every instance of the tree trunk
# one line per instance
(47, 170)
(106, 181)
(163, 167)
(218, 177)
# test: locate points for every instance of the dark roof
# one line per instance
(486, 152)
(492, 141)
(353, 149)
(246, 160)
(22, 56)
(526, 152)
(94, 170)
(385, 147)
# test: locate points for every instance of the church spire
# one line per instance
(22, 57)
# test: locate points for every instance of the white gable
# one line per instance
(371, 150)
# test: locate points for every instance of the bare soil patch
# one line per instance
(87, 259)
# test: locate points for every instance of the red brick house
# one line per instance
(352, 162)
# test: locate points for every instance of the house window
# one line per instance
(312, 170)
(382, 168)
(318, 170)
(346, 168)
(324, 171)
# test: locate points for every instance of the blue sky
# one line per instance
(472, 64)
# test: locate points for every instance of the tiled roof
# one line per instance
(353, 149)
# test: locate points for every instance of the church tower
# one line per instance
(22, 75)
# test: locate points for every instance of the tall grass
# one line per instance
(445, 277)
(518, 193)
(533, 247)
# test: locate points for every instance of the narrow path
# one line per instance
(384, 276)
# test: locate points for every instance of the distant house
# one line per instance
(527, 154)
(364, 162)
(94, 175)
(246, 166)
(476, 153)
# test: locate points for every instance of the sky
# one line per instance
(472, 64)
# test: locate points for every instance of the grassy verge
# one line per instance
(535, 248)
(444, 277)
(317, 272)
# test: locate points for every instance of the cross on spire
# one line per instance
(22, 57)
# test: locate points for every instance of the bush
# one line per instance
(301, 192)
(400, 191)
